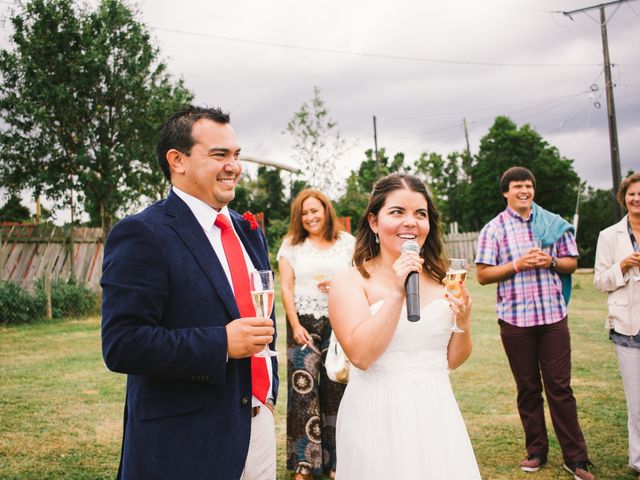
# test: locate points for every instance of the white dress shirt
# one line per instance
(206, 217)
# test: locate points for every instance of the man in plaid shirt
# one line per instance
(532, 314)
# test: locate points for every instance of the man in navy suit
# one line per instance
(170, 320)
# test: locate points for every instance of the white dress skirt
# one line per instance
(399, 419)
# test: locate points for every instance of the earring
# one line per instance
(377, 238)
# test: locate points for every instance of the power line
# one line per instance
(376, 55)
(568, 119)
(611, 110)
(601, 5)
(512, 113)
(528, 9)
(499, 107)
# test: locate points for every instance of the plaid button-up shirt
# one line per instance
(531, 297)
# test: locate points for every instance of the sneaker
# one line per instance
(532, 463)
(580, 470)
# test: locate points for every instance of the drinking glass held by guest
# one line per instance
(314, 249)
(398, 417)
(617, 272)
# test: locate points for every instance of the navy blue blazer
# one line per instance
(165, 303)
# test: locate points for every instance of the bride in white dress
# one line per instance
(398, 417)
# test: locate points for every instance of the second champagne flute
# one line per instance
(262, 294)
(457, 273)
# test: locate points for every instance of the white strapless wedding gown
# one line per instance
(399, 419)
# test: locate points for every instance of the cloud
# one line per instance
(419, 103)
(420, 67)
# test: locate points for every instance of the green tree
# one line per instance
(83, 94)
(506, 146)
(296, 187)
(14, 211)
(354, 200)
(265, 194)
(596, 213)
(360, 183)
(447, 179)
(317, 144)
(430, 167)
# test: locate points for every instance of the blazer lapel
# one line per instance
(248, 239)
(623, 240)
(189, 230)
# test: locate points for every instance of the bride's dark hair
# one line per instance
(366, 247)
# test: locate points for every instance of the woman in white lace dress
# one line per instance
(398, 417)
(311, 253)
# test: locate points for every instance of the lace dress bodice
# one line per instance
(311, 266)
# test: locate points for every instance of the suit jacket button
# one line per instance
(244, 400)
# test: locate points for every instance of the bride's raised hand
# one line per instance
(460, 305)
(406, 263)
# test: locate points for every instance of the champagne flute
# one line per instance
(262, 294)
(456, 273)
(321, 278)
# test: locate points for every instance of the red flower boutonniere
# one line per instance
(251, 218)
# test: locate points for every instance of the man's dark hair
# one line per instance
(516, 174)
(176, 132)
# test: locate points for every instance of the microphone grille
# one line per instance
(410, 246)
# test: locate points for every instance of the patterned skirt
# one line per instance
(313, 401)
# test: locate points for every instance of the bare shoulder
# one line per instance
(349, 276)
(347, 298)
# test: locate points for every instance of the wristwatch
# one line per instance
(554, 263)
(269, 403)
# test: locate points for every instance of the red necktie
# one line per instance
(241, 289)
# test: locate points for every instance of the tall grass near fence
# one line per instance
(61, 410)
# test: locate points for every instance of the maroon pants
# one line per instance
(546, 350)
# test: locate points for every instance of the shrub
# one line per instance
(17, 305)
(68, 299)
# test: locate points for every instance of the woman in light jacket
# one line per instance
(617, 271)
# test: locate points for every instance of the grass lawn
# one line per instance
(61, 409)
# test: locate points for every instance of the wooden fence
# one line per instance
(28, 251)
(462, 245)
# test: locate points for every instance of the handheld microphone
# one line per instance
(412, 284)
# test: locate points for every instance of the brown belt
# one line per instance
(255, 411)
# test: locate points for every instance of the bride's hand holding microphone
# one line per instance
(408, 261)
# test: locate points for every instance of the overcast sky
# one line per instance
(419, 66)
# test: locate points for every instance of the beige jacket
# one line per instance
(614, 245)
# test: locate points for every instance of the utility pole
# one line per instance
(466, 136)
(375, 142)
(611, 112)
(611, 109)
(466, 162)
